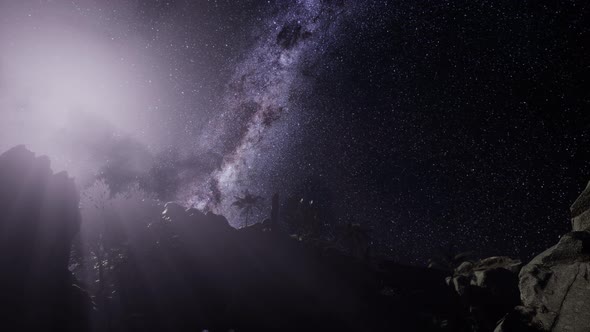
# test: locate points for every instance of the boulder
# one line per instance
(488, 289)
(555, 285)
(484, 273)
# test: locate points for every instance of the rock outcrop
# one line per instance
(580, 211)
(200, 273)
(488, 288)
(39, 219)
(482, 273)
(555, 285)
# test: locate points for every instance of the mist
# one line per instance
(71, 87)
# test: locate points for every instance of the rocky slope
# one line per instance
(189, 271)
(555, 285)
(203, 274)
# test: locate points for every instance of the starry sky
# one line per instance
(434, 124)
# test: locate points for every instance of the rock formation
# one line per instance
(555, 285)
(203, 274)
(488, 289)
(581, 211)
(39, 219)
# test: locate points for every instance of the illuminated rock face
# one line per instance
(39, 219)
(555, 285)
(581, 211)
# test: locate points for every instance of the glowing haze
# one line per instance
(64, 77)
(179, 104)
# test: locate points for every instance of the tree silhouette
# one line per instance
(247, 203)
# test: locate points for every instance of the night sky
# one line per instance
(434, 124)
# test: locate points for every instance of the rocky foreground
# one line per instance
(555, 285)
(189, 271)
(550, 293)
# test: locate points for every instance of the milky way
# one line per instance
(258, 115)
(132, 74)
(434, 124)
(73, 87)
